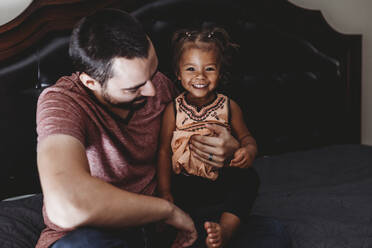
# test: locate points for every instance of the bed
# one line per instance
(297, 80)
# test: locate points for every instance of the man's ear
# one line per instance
(89, 82)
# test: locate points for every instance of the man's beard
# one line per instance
(135, 104)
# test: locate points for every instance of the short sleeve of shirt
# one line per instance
(58, 113)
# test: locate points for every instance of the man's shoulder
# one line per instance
(164, 85)
(65, 96)
(64, 87)
(161, 78)
(61, 109)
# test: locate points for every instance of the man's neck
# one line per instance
(120, 112)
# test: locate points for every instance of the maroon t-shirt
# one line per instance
(119, 152)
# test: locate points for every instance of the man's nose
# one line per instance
(148, 89)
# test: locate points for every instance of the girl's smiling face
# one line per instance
(199, 71)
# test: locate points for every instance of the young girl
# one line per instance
(218, 199)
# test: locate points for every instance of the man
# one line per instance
(97, 140)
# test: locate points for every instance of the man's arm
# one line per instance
(74, 198)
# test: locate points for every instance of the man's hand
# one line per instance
(187, 234)
(216, 150)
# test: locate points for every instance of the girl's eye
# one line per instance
(190, 69)
(210, 69)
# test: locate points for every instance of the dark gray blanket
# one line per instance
(322, 196)
(21, 222)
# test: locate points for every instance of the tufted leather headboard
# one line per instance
(296, 79)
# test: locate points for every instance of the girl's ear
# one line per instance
(89, 82)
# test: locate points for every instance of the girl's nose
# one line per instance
(200, 75)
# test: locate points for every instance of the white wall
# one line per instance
(346, 16)
(352, 17)
(10, 9)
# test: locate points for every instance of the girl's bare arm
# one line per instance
(165, 153)
(245, 155)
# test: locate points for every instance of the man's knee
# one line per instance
(90, 237)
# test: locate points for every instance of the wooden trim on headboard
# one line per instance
(354, 79)
(34, 6)
(43, 16)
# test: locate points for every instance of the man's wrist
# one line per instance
(171, 210)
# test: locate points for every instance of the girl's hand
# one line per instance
(214, 150)
(243, 158)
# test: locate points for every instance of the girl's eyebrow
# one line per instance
(205, 65)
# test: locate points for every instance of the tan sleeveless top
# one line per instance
(190, 121)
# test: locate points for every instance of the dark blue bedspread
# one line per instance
(322, 196)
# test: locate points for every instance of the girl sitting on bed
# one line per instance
(218, 199)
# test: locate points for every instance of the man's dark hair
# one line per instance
(99, 38)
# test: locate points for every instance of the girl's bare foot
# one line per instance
(219, 234)
(215, 237)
